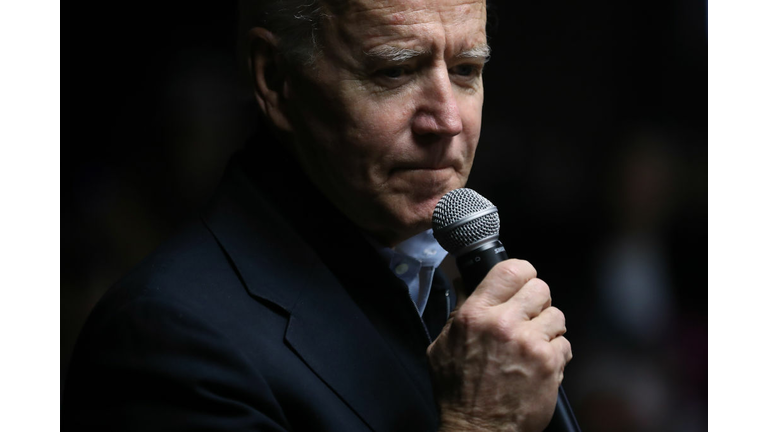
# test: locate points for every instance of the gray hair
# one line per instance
(296, 23)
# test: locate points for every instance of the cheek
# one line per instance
(381, 119)
(472, 113)
(378, 132)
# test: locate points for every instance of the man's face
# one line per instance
(389, 119)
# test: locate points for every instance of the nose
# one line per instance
(438, 113)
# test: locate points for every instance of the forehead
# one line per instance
(413, 23)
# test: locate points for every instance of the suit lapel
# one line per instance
(338, 341)
(349, 321)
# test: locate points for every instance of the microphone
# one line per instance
(467, 225)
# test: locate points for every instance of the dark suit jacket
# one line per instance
(270, 313)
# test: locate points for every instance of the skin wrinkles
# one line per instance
(375, 28)
(377, 35)
(366, 6)
(385, 145)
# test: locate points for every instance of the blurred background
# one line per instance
(594, 148)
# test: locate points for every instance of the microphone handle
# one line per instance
(473, 266)
(563, 419)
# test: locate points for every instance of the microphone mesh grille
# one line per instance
(456, 205)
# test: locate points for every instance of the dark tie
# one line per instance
(442, 300)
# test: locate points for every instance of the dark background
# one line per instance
(594, 148)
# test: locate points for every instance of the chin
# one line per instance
(425, 203)
(411, 213)
(419, 216)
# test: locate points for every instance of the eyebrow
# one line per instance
(481, 51)
(395, 54)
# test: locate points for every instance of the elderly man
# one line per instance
(307, 297)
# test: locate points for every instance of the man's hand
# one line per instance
(498, 362)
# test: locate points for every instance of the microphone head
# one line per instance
(464, 218)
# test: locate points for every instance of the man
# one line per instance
(281, 308)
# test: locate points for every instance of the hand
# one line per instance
(500, 358)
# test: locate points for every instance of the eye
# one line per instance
(465, 70)
(395, 72)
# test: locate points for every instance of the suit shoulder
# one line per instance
(187, 269)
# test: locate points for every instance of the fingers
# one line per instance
(518, 297)
(530, 300)
(507, 325)
(550, 323)
(563, 346)
(503, 281)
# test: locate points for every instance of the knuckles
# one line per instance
(506, 330)
(529, 344)
(567, 349)
(513, 272)
(466, 317)
(557, 315)
(515, 330)
(541, 288)
(543, 355)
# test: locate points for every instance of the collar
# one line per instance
(424, 248)
(414, 262)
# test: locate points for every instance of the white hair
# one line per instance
(296, 23)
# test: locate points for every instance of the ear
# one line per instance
(268, 76)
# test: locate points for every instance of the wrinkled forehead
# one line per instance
(405, 12)
(366, 22)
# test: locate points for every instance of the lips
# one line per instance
(419, 176)
(424, 166)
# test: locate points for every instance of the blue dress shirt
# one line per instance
(414, 261)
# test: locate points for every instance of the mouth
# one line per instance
(424, 167)
(426, 179)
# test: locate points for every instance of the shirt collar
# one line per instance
(422, 247)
